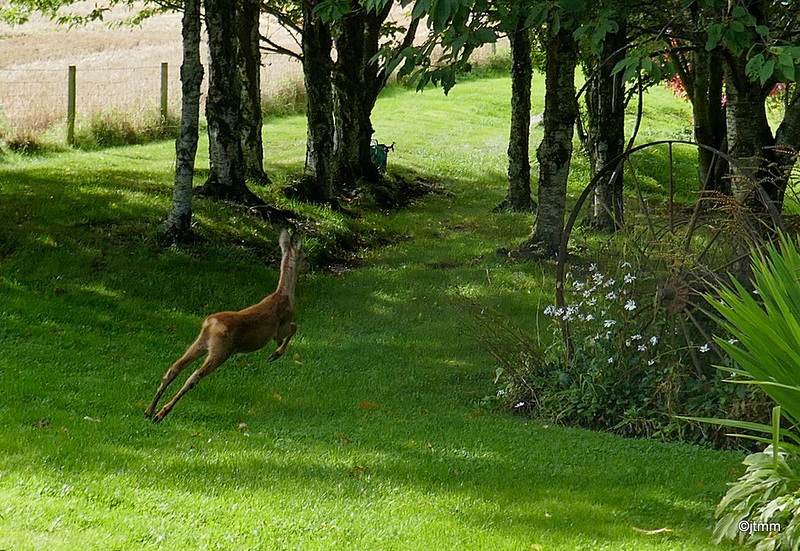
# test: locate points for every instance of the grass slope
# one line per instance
(366, 435)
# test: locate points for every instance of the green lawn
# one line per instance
(368, 434)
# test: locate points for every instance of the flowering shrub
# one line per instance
(605, 318)
(630, 369)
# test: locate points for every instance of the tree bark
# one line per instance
(317, 67)
(519, 163)
(703, 82)
(787, 137)
(223, 107)
(750, 138)
(352, 128)
(605, 102)
(250, 74)
(375, 76)
(179, 219)
(555, 151)
(710, 127)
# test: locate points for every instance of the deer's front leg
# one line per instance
(287, 334)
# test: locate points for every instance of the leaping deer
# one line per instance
(227, 333)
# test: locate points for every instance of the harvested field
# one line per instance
(118, 67)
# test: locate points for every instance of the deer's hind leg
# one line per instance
(214, 360)
(197, 349)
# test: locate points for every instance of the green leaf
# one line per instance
(766, 71)
(580, 31)
(753, 67)
(441, 12)
(538, 15)
(776, 434)
(573, 5)
(621, 64)
(484, 35)
(786, 65)
(556, 24)
(715, 33)
(421, 7)
(763, 30)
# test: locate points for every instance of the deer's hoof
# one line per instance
(160, 417)
(274, 357)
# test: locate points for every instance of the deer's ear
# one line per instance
(285, 239)
(297, 242)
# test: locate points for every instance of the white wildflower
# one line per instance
(592, 267)
(642, 348)
(654, 340)
(609, 323)
(651, 362)
(611, 360)
(609, 282)
(625, 264)
(570, 313)
(550, 310)
(629, 278)
(589, 317)
(611, 296)
(636, 337)
(598, 278)
(705, 348)
(733, 341)
(630, 305)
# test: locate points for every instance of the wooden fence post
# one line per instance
(71, 106)
(164, 91)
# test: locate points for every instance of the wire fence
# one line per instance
(35, 99)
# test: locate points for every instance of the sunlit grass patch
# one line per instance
(368, 434)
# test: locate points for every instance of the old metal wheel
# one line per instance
(676, 248)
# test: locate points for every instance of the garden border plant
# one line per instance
(626, 374)
(766, 325)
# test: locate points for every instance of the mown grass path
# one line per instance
(368, 434)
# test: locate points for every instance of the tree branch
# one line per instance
(275, 48)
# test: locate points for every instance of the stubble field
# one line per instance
(118, 67)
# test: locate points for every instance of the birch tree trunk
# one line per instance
(317, 67)
(605, 102)
(555, 151)
(519, 163)
(179, 220)
(710, 128)
(375, 76)
(223, 107)
(250, 75)
(750, 138)
(350, 145)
